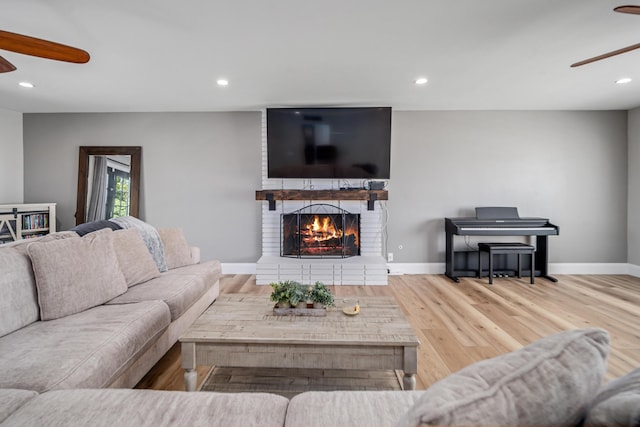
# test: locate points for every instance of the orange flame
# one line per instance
(321, 229)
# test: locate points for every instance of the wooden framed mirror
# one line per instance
(116, 172)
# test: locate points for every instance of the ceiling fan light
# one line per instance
(623, 80)
(421, 81)
(27, 84)
(222, 82)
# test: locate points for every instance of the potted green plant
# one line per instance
(280, 294)
(297, 293)
(287, 293)
(320, 295)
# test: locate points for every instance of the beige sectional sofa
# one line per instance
(553, 382)
(82, 319)
(95, 311)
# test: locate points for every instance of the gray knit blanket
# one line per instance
(149, 235)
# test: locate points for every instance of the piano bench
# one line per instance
(506, 248)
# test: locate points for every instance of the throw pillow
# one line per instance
(617, 403)
(177, 252)
(549, 382)
(90, 227)
(136, 263)
(73, 275)
(149, 235)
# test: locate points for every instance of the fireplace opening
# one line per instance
(320, 230)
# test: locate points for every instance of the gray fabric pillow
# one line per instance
(549, 382)
(177, 252)
(617, 403)
(136, 263)
(90, 227)
(149, 235)
(73, 275)
(19, 301)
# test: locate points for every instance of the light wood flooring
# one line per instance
(462, 323)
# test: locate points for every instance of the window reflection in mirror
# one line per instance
(108, 183)
(108, 180)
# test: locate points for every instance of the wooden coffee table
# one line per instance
(241, 331)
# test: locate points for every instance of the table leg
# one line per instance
(188, 351)
(190, 379)
(409, 381)
(410, 368)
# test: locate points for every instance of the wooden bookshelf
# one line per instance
(25, 221)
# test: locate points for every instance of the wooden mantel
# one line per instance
(359, 194)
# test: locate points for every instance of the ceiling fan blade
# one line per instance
(634, 10)
(6, 66)
(41, 48)
(607, 55)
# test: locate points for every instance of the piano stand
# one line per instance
(454, 278)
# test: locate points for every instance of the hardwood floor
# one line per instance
(462, 323)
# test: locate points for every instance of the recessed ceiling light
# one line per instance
(222, 82)
(623, 80)
(421, 81)
(27, 84)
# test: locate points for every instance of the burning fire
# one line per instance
(320, 230)
(321, 234)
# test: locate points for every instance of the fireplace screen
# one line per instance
(320, 231)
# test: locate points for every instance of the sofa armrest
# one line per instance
(195, 254)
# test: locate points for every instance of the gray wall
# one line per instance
(200, 171)
(634, 187)
(11, 158)
(570, 167)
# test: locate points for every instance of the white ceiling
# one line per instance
(162, 55)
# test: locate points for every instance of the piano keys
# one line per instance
(496, 222)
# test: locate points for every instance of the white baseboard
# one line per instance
(554, 268)
(238, 268)
(589, 268)
(439, 267)
(397, 268)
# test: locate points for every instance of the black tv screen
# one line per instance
(329, 142)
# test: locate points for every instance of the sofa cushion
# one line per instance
(549, 382)
(179, 290)
(177, 252)
(121, 407)
(87, 349)
(73, 275)
(617, 402)
(134, 258)
(349, 408)
(149, 235)
(211, 269)
(19, 303)
(12, 399)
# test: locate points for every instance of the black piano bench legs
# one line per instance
(506, 248)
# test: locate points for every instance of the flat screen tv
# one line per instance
(329, 142)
